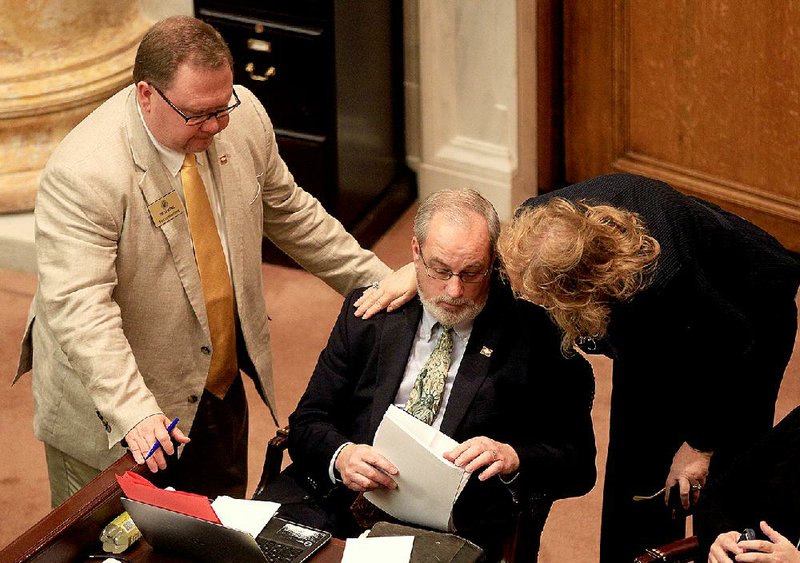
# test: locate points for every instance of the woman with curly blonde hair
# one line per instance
(692, 303)
(587, 258)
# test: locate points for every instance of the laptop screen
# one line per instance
(281, 541)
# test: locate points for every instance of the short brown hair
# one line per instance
(174, 41)
(577, 259)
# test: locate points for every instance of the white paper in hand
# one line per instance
(427, 484)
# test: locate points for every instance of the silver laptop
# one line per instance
(280, 541)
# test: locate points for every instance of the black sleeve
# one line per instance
(762, 484)
(560, 461)
(550, 425)
(316, 425)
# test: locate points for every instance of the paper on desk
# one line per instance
(246, 515)
(389, 549)
(427, 484)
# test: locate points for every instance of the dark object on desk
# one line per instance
(430, 546)
(520, 546)
(748, 534)
(279, 542)
(367, 514)
(331, 76)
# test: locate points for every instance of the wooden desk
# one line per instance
(71, 531)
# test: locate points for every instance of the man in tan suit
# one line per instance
(121, 339)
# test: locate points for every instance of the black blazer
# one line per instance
(762, 484)
(522, 392)
(721, 302)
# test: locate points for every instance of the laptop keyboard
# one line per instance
(277, 552)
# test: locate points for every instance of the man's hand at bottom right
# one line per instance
(777, 549)
(724, 548)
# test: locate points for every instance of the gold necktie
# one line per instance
(214, 277)
(426, 394)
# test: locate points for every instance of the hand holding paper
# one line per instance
(363, 468)
(497, 457)
(428, 485)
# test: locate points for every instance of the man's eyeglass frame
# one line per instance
(194, 120)
(442, 274)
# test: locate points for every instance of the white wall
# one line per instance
(469, 109)
(159, 9)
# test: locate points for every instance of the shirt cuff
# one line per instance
(332, 465)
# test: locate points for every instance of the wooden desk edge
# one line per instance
(67, 531)
(55, 533)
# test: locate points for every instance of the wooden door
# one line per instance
(703, 94)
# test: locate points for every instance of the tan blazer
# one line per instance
(117, 328)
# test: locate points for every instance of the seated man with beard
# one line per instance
(465, 357)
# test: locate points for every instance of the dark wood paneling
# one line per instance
(550, 94)
(704, 95)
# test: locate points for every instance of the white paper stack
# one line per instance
(427, 484)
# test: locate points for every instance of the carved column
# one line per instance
(476, 98)
(59, 59)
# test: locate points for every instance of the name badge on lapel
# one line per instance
(166, 208)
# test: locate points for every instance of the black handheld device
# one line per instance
(747, 534)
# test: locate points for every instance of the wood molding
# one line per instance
(709, 187)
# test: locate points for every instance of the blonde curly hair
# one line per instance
(575, 259)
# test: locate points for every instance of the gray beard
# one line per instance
(468, 313)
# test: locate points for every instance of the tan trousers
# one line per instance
(66, 474)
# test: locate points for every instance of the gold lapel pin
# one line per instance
(486, 352)
(223, 159)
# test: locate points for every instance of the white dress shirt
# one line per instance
(173, 160)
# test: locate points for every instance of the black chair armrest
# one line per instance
(523, 541)
(273, 458)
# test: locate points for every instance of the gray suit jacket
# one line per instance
(117, 328)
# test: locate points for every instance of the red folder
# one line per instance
(138, 488)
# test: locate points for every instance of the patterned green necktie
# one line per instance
(426, 395)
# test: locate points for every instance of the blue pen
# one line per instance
(157, 445)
